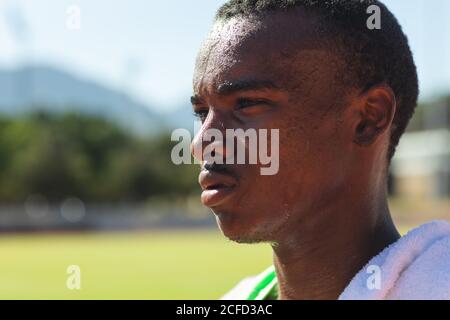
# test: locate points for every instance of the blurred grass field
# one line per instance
(175, 264)
(150, 265)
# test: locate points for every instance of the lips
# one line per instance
(217, 187)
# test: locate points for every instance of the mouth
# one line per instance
(216, 188)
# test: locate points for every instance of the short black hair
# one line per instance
(372, 56)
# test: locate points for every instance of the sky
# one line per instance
(148, 47)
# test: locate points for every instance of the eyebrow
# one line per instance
(195, 99)
(236, 86)
(245, 85)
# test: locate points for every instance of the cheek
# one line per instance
(310, 163)
(295, 150)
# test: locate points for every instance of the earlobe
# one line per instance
(377, 111)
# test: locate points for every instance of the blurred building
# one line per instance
(421, 167)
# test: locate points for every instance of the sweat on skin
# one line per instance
(325, 212)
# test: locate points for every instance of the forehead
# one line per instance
(277, 47)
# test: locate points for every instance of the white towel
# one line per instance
(417, 266)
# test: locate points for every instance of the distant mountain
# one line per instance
(44, 88)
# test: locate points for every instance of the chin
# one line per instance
(244, 231)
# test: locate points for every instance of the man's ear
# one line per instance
(376, 112)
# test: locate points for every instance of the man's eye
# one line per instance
(201, 114)
(245, 103)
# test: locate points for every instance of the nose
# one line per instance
(209, 145)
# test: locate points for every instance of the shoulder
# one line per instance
(242, 290)
(428, 275)
(253, 288)
(415, 267)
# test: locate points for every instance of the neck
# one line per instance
(320, 256)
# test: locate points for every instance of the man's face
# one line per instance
(271, 74)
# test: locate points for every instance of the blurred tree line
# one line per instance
(74, 155)
(57, 156)
(431, 115)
